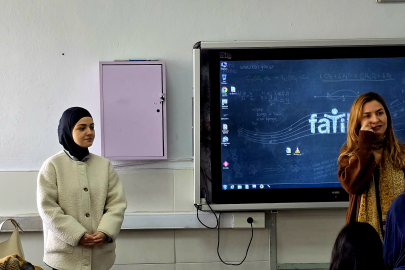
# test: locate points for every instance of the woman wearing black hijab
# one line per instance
(80, 200)
(66, 132)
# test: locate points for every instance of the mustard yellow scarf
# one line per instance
(391, 184)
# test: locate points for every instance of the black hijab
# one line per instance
(66, 124)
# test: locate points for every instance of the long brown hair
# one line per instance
(396, 153)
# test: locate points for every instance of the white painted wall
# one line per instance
(38, 83)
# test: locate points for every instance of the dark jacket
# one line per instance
(394, 240)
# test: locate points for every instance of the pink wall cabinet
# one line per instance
(133, 110)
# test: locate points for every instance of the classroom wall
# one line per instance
(49, 54)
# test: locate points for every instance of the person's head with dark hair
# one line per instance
(357, 247)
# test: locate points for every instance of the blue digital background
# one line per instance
(270, 112)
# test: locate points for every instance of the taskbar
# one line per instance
(279, 186)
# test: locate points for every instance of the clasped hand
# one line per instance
(92, 240)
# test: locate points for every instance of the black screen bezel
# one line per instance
(210, 69)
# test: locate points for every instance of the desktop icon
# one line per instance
(253, 186)
(224, 90)
(224, 187)
(261, 186)
(225, 139)
(239, 187)
(224, 102)
(224, 64)
(225, 128)
(233, 89)
(246, 186)
(224, 78)
(288, 151)
(226, 164)
(232, 186)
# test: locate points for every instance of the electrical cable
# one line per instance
(206, 195)
(218, 219)
(247, 250)
(198, 207)
(206, 183)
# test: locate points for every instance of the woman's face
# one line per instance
(83, 132)
(375, 117)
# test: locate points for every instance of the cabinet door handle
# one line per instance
(162, 98)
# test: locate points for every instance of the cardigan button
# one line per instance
(86, 189)
(87, 215)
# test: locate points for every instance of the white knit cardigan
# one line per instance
(75, 198)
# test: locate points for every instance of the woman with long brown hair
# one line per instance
(371, 162)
